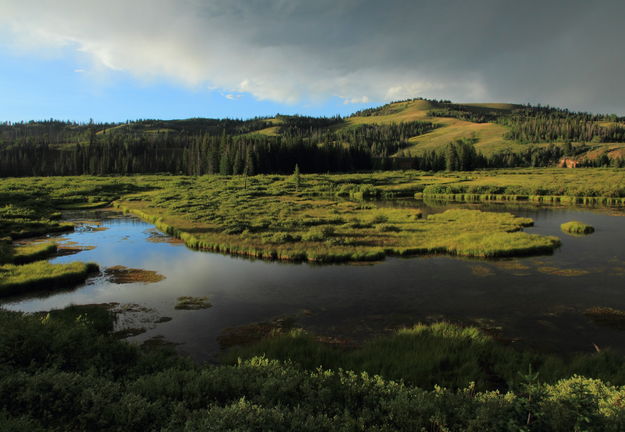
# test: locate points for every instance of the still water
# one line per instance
(533, 301)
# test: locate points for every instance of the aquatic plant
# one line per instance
(606, 316)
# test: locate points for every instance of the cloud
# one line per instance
(561, 52)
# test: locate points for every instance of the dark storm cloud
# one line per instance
(557, 52)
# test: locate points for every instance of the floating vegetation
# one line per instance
(606, 317)
(577, 227)
(481, 271)
(122, 275)
(556, 271)
(158, 343)
(192, 303)
(511, 265)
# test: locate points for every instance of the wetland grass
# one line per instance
(192, 303)
(330, 231)
(577, 227)
(17, 279)
(123, 275)
(30, 252)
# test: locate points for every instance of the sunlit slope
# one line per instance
(490, 136)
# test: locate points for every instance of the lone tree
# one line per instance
(296, 177)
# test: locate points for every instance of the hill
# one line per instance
(415, 133)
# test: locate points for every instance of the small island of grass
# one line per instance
(577, 227)
(16, 279)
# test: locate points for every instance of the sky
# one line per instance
(118, 60)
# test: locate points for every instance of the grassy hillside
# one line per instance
(416, 128)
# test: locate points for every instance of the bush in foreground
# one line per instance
(65, 372)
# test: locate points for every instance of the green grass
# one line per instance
(266, 217)
(18, 279)
(27, 253)
(584, 186)
(577, 227)
(83, 205)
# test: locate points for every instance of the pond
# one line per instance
(532, 301)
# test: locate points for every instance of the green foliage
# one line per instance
(62, 373)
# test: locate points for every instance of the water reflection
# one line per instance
(539, 307)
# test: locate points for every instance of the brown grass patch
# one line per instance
(122, 275)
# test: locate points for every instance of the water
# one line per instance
(525, 299)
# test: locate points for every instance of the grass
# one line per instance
(18, 279)
(577, 227)
(84, 205)
(600, 186)
(23, 254)
(122, 275)
(267, 218)
(192, 303)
